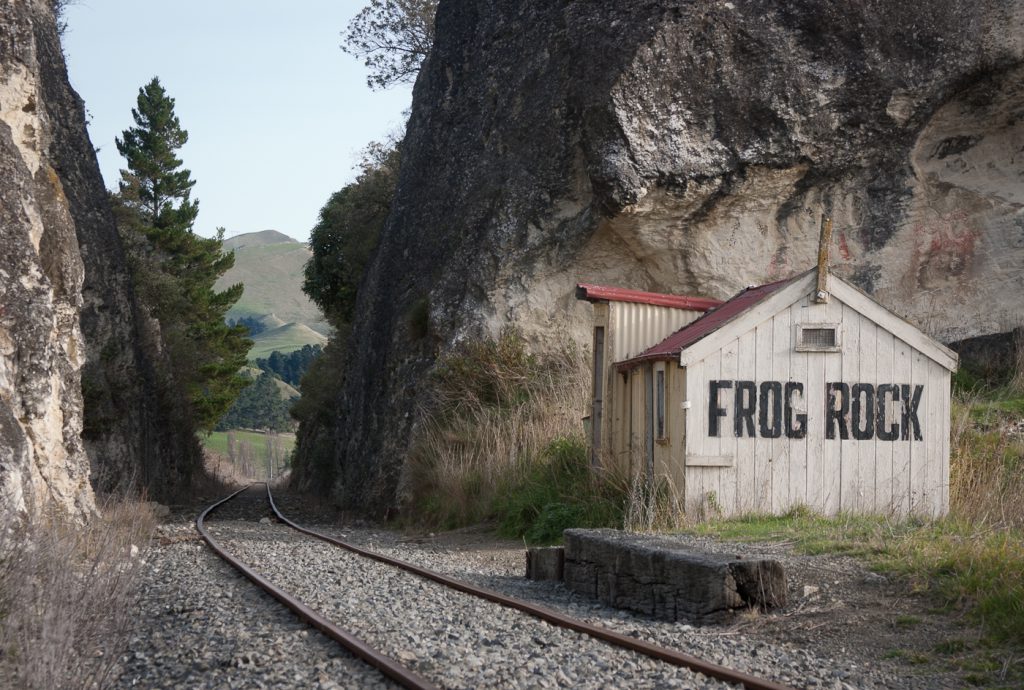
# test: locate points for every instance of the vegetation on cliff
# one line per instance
(346, 233)
(343, 242)
(173, 269)
(392, 37)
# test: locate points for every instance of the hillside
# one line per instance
(286, 338)
(269, 264)
(287, 391)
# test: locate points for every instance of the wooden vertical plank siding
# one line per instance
(709, 475)
(831, 459)
(945, 411)
(746, 485)
(779, 370)
(919, 449)
(883, 459)
(937, 484)
(799, 479)
(748, 417)
(726, 476)
(696, 432)
(848, 448)
(762, 447)
(818, 477)
(901, 460)
(868, 449)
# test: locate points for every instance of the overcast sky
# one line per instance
(276, 113)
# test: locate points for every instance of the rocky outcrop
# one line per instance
(69, 323)
(688, 147)
(42, 461)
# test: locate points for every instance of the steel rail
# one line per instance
(654, 651)
(385, 664)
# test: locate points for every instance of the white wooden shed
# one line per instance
(786, 395)
(626, 322)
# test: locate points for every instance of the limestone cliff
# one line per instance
(68, 319)
(689, 147)
(42, 461)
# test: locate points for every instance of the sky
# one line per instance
(277, 114)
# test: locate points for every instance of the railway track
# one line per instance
(406, 640)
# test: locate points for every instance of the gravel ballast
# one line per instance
(202, 625)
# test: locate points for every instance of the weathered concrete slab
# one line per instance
(545, 563)
(660, 578)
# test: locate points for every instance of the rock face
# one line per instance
(42, 461)
(687, 147)
(69, 323)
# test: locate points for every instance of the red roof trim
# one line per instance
(670, 348)
(597, 293)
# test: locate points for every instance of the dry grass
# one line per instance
(501, 437)
(65, 596)
(493, 410)
(652, 504)
(987, 461)
(1017, 381)
(219, 473)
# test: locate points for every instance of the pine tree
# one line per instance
(153, 185)
(174, 270)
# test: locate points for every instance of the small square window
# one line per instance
(817, 337)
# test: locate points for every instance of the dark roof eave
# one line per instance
(632, 363)
(603, 293)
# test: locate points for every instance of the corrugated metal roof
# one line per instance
(599, 293)
(670, 347)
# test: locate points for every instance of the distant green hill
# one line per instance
(287, 391)
(291, 336)
(269, 264)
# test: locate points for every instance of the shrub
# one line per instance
(558, 492)
(65, 596)
(500, 438)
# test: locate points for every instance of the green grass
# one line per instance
(287, 338)
(271, 269)
(555, 494)
(961, 567)
(217, 442)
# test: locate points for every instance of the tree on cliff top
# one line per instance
(173, 269)
(392, 37)
(347, 231)
(153, 185)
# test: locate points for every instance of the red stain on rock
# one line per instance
(944, 250)
(844, 247)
